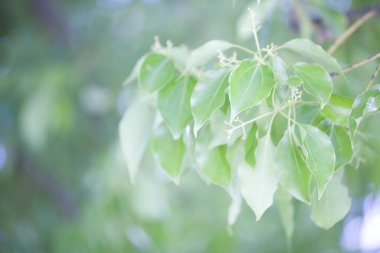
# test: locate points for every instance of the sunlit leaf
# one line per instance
(308, 50)
(179, 55)
(235, 154)
(174, 104)
(250, 145)
(279, 126)
(250, 84)
(208, 95)
(294, 82)
(316, 81)
(342, 145)
(334, 204)
(259, 184)
(365, 104)
(135, 72)
(286, 210)
(306, 113)
(203, 54)
(219, 129)
(338, 109)
(319, 154)
(168, 152)
(292, 170)
(279, 70)
(216, 167)
(135, 130)
(235, 208)
(156, 72)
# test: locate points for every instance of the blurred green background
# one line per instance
(64, 186)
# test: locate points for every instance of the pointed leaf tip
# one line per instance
(134, 130)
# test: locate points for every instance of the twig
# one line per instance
(356, 65)
(351, 30)
(364, 62)
(372, 79)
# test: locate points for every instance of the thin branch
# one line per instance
(357, 65)
(351, 30)
(372, 79)
(362, 63)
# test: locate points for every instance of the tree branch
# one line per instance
(351, 30)
(362, 63)
(370, 82)
(357, 65)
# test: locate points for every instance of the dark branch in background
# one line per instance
(362, 63)
(357, 65)
(47, 184)
(322, 33)
(358, 23)
(370, 82)
(357, 13)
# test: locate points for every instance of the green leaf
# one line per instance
(342, 145)
(203, 54)
(208, 95)
(135, 72)
(250, 84)
(179, 55)
(235, 154)
(135, 129)
(250, 145)
(294, 82)
(320, 155)
(314, 53)
(219, 128)
(174, 104)
(279, 70)
(259, 184)
(334, 204)
(306, 113)
(292, 170)
(338, 109)
(316, 81)
(156, 72)
(169, 153)
(215, 166)
(286, 210)
(365, 104)
(279, 126)
(235, 206)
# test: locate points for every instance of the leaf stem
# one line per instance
(243, 49)
(243, 124)
(289, 111)
(255, 28)
(342, 38)
(289, 118)
(294, 116)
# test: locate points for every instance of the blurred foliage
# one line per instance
(63, 184)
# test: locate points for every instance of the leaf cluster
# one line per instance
(267, 127)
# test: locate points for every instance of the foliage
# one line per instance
(194, 99)
(63, 182)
